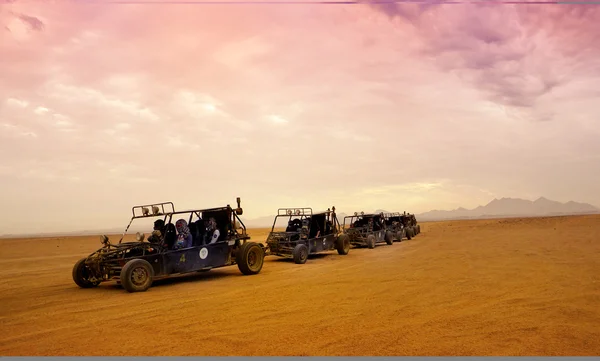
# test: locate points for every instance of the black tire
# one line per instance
(250, 258)
(137, 275)
(418, 229)
(399, 236)
(343, 244)
(80, 275)
(409, 233)
(389, 238)
(300, 253)
(371, 241)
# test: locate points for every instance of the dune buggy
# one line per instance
(394, 225)
(306, 233)
(409, 221)
(137, 264)
(367, 230)
(414, 223)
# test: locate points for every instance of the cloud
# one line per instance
(277, 119)
(406, 187)
(33, 22)
(504, 51)
(17, 102)
(41, 110)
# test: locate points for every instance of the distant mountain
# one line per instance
(512, 207)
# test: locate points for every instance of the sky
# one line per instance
(390, 106)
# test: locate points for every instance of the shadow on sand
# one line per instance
(206, 276)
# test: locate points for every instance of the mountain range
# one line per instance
(513, 207)
(504, 207)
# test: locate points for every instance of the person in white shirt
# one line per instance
(212, 230)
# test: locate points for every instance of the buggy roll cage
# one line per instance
(388, 217)
(168, 216)
(361, 215)
(305, 212)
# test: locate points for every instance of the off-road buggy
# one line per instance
(394, 224)
(414, 223)
(135, 265)
(306, 233)
(366, 230)
(410, 225)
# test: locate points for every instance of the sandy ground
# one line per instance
(492, 287)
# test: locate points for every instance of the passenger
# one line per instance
(212, 231)
(170, 236)
(184, 238)
(158, 231)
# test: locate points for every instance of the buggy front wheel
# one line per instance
(250, 258)
(137, 275)
(389, 238)
(371, 241)
(300, 253)
(81, 275)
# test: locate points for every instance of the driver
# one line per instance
(304, 229)
(290, 226)
(158, 231)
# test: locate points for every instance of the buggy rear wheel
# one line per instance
(137, 275)
(250, 258)
(343, 244)
(371, 241)
(81, 275)
(409, 233)
(389, 238)
(418, 229)
(300, 253)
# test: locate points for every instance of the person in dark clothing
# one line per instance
(158, 231)
(170, 236)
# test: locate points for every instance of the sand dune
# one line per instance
(484, 287)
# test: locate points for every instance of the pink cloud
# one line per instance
(515, 54)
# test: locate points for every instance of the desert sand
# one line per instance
(485, 287)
